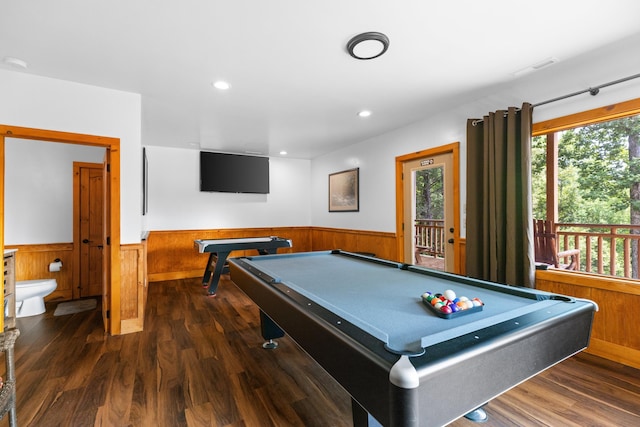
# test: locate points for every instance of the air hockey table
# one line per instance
(219, 250)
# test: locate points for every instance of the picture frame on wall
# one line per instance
(344, 191)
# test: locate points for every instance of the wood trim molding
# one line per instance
(617, 353)
(454, 149)
(112, 146)
(597, 115)
(591, 281)
(176, 275)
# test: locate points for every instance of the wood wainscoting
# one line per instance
(615, 328)
(133, 287)
(32, 262)
(172, 255)
(382, 245)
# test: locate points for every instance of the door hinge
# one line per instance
(108, 313)
(108, 240)
(108, 167)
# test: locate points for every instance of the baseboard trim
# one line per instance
(176, 275)
(617, 353)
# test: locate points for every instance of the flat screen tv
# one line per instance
(233, 173)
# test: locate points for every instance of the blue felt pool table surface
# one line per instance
(364, 321)
(386, 302)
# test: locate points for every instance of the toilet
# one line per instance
(30, 296)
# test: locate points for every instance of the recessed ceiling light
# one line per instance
(15, 62)
(283, 153)
(368, 45)
(364, 113)
(222, 85)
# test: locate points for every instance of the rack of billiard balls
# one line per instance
(448, 304)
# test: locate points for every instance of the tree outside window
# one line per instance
(598, 182)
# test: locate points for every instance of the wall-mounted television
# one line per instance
(233, 173)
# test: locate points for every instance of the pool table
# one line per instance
(219, 250)
(364, 321)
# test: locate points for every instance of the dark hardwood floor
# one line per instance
(199, 362)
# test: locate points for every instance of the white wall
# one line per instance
(298, 187)
(44, 103)
(376, 160)
(376, 156)
(176, 203)
(39, 190)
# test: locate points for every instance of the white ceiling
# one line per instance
(294, 87)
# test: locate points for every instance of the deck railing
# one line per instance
(610, 249)
(429, 237)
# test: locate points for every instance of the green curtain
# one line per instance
(499, 218)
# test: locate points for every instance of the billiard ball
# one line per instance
(446, 309)
(449, 294)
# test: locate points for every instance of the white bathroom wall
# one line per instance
(39, 190)
(45, 103)
(176, 203)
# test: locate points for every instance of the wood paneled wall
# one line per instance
(382, 245)
(615, 329)
(133, 287)
(172, 255)
(32, 262)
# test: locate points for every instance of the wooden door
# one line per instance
(446, 158)
(91, 223)
(436, 236)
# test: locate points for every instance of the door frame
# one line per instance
(454, 150)
(112, 155)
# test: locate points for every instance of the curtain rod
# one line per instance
(592, 90)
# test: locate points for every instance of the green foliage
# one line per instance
(599, 169)
(430, 193)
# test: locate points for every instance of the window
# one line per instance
(586, 179)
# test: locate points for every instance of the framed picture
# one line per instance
(344, 191)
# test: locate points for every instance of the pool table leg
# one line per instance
(270, 331)
(361, 418)
(478, 415)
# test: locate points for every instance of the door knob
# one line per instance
(450, 240)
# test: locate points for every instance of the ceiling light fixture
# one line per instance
(364, 113)
(368, 45)
(222, 85)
